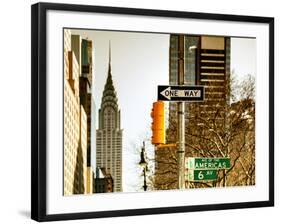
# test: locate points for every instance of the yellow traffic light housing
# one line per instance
(158, 123)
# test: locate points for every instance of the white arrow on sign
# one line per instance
(165, 91)
(168, 93)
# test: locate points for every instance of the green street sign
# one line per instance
(196, 163)
(201, 175)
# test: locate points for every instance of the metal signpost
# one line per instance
(181, 93)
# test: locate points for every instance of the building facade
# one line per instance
(77, 115)
(103, 181)
(85, 84)
(109, 134)
(206, 63)
(80, 173)
(73, 150)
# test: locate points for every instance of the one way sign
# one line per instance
(181, 93)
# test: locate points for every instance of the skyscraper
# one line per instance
(109, 134)
(207, 63)
(78, 172)
(85, 85)
(75, 124)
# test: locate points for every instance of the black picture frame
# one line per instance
(39, 108)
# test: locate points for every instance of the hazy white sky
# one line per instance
(139, 63)
(243, 56)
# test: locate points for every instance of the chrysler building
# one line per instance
(109, 133)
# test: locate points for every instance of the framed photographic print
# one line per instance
(139, 111)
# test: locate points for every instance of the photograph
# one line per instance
(147, 111)
(142, 111)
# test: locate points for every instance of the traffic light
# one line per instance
(158, 123)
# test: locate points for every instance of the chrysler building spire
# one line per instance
(109, 59)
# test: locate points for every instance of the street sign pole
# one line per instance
(181, 118)
(181, 93)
